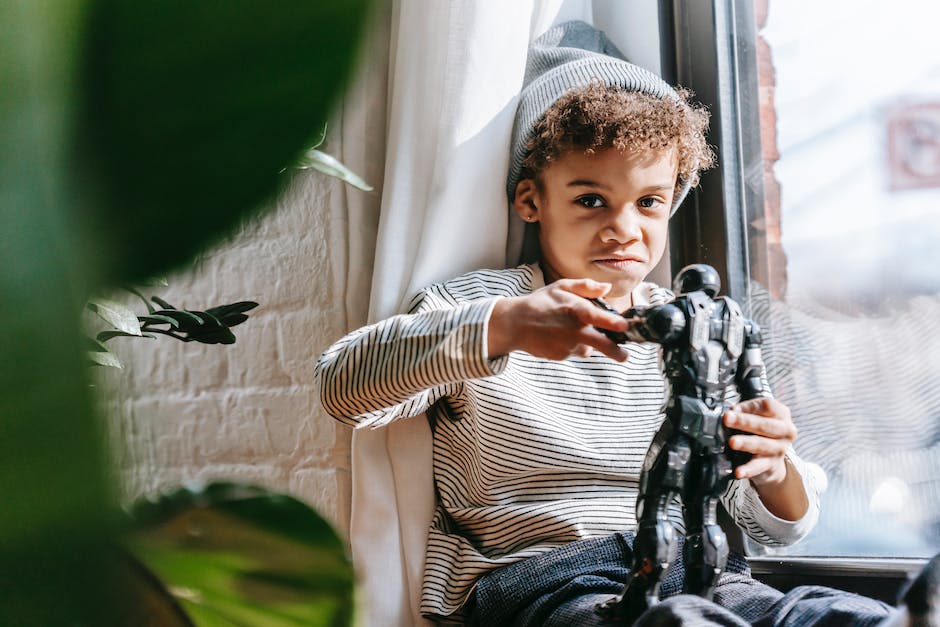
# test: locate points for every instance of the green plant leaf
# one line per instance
(104, 358)
(100, 355)
(207, 327)
(149, 602)
(219, 335)
(104, 336)
(234, 314)
(117, 315)
(194, 108)
(234, 308)
(156, 318)
(331, 166)
(162, 303)
(184, 319)
(322, 137)
(56, 505)
(241, 555)
(137, 293)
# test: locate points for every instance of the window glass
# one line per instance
(849, 289)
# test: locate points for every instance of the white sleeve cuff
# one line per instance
(774, 530)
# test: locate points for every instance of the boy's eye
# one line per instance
(590, 201)
(649, 202)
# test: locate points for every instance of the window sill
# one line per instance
(875, 577)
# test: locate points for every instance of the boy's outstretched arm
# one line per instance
(399, 367)
(769, 434)
(555, 322)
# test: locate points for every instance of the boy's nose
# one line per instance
(623, 227)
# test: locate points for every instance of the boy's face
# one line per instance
(602, 216)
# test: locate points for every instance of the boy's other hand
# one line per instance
(555, 322)
(769, 433)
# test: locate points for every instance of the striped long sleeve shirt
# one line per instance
(529, 454)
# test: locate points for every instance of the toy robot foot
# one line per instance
(610, 609)
(922, 596)
(625, 609)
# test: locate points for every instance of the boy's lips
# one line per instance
(620, 262)
(609, 258)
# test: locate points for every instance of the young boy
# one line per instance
(541, 423)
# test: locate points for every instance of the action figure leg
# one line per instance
(655, 545)
(654, 549)
(705, 552)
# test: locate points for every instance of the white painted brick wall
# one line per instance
(249, 411)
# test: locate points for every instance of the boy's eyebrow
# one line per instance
(663, 187)
(586, 183)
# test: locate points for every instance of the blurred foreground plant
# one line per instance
(228, 554)
(171, 114)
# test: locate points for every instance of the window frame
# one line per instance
(709, 47)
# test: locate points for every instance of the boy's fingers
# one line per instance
(754, 467)
(601, 342)
(758, 425)
(594, 317)
(758, 445)
(762, 407)
(590, 314)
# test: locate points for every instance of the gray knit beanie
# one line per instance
(571, 55)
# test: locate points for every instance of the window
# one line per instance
(834, 247)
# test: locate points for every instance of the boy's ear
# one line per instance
(525, 202)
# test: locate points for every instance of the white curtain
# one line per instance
(453, 77)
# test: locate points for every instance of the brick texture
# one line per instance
(776, 257)
(249, 411)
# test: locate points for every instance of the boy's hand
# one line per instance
(769, 433)
(555, 322)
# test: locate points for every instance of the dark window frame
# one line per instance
(709, 48)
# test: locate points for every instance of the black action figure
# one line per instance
(707, 344)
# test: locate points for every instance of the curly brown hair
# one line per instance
(597, 116)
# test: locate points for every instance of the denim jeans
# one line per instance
(563, 587)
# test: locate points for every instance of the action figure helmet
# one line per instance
(697, 277)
